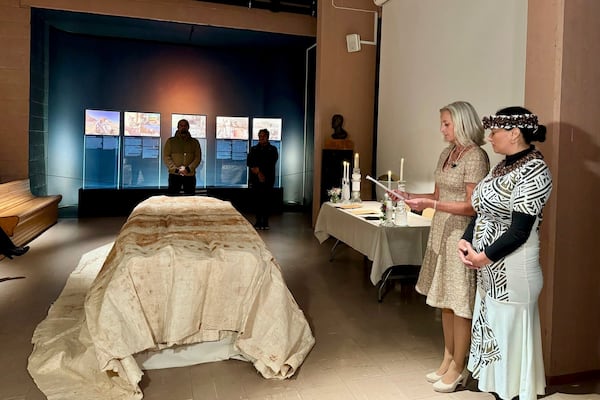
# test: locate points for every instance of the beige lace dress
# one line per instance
(443, 277)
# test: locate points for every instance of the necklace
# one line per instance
(454, 163)
(508, 165)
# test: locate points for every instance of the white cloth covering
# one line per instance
(183, 270)
(386, 246)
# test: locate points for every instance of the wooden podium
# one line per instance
(335, 152)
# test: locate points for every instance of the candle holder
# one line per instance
(387, 211)
(345, 190)
(402, 185)
(355, 197)
(400, 211)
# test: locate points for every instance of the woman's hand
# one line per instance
(420, 203)
(471, 258)
(399, 195)
(463, 251)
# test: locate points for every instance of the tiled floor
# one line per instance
(364, 349)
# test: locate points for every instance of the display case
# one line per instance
(231, 151)
(141, 161)
(101, 149)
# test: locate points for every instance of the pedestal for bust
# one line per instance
(335, 152)
(338, 144)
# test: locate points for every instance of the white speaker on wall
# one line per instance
(380, 3)
(353, 42)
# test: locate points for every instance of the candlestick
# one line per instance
(402, 169)
(355, 194)
(356, 166)
(346, 182)
(344, 171)
(389, 180)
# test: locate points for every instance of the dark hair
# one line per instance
(537, 134)
(265, 131)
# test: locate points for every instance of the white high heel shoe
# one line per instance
(433, 377)
(442, 387)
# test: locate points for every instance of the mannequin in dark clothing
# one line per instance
(261, 161)
(8, 248)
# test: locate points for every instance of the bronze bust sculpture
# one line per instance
(336, 123)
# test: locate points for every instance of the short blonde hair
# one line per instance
(468, 129)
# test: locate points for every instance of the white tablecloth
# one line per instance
(385, 246)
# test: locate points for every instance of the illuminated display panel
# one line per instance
(102, 122)
(273, 125)
(197, 124)
(232, 128)
(142, 124)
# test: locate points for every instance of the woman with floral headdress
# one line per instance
(502, 244)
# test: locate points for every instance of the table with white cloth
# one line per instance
(386, 246)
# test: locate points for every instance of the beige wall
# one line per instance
(563, 86)
(14, 90)
(345, 82)
(431, 57)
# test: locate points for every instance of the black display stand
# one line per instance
(332, 170)
(120, 202)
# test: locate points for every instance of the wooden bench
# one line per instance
(24, 216)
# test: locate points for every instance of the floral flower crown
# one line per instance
(510, 121)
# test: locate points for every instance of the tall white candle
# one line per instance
(389, 180)
(402, 169)
(356, 161)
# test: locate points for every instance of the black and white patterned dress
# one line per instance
(506, 348)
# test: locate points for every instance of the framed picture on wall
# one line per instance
(102, 122)
(142, 124)
(273, 125)
(233, 128)
(197, 124)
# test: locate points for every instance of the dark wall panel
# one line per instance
(90, 72)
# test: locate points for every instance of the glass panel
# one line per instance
(231, 167)
(101, 153)
(100, 162)
(141, 150)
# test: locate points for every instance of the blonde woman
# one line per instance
(445, 281)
